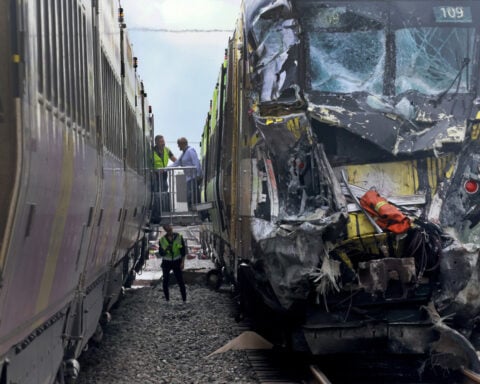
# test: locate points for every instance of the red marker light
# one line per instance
(471, 186)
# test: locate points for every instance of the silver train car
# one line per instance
(76, 131)
(342, 173)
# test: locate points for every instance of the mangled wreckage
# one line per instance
(342, 169)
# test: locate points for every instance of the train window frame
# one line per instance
(54, 52)
(76, 65)
(86, 117)
(110, 93)
(40, 49)
(47, 50)
(444, 78)
(69, 56)
(81, 64)
(61, 60)
(387, 73)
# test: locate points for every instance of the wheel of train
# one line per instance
(214, 279)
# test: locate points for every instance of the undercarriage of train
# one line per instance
(358, 281)
(365, 175)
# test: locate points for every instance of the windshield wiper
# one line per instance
(440, 97)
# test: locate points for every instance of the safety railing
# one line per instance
(175, 196)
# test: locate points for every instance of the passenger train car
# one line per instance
(342, 171)
(76, 129)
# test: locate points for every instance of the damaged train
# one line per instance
(75, 129)
(342, 170)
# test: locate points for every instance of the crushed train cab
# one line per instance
(331, 123)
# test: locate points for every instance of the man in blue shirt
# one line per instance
(189, 158)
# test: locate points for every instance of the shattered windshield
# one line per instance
(348, 62)
(354, 51)
(433, 60)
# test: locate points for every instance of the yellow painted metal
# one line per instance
(373, 244)
(254, 139)
(449, 171)
(214, 111)
(271, 120)
(438, 169)
(396, 178)
(294, 126)
(358, 225)
(476, 128)
(401, 178)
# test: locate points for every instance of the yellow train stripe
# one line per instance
(476, 128)
(58, 226)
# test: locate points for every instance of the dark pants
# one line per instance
(160, 182)
(161, 197)
(193, 193)
(167, 266)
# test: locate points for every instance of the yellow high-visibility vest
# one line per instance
(159, 162)
(173, 252)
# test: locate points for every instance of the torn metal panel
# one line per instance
(377, 276)
(460, 210)
(387, 92)
(297, 170)
(389, 130)
(452, 350)
(290, 260)
(459, 292)
(273, 41)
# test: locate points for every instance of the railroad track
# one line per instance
(274, 366)
(470, 377)
(281, 367)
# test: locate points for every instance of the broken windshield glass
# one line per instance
(428, 60)
(351, 54)
(347, 62)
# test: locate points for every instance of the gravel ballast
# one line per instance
(151, 341)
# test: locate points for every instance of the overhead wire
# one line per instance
(187, 30)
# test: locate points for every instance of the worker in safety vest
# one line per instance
(161, 155)
(172, 249)
(190, 158)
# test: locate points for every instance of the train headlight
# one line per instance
(471, 186)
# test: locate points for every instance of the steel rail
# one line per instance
(319, 376)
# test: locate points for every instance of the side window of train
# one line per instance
(62, 58)
(111, 92)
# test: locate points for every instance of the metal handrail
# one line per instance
(174, 196)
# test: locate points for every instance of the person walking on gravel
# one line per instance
(172, 250)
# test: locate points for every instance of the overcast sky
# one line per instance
(179, 69)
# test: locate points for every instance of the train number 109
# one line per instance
(453, 14)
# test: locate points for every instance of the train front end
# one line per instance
(365, 172)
